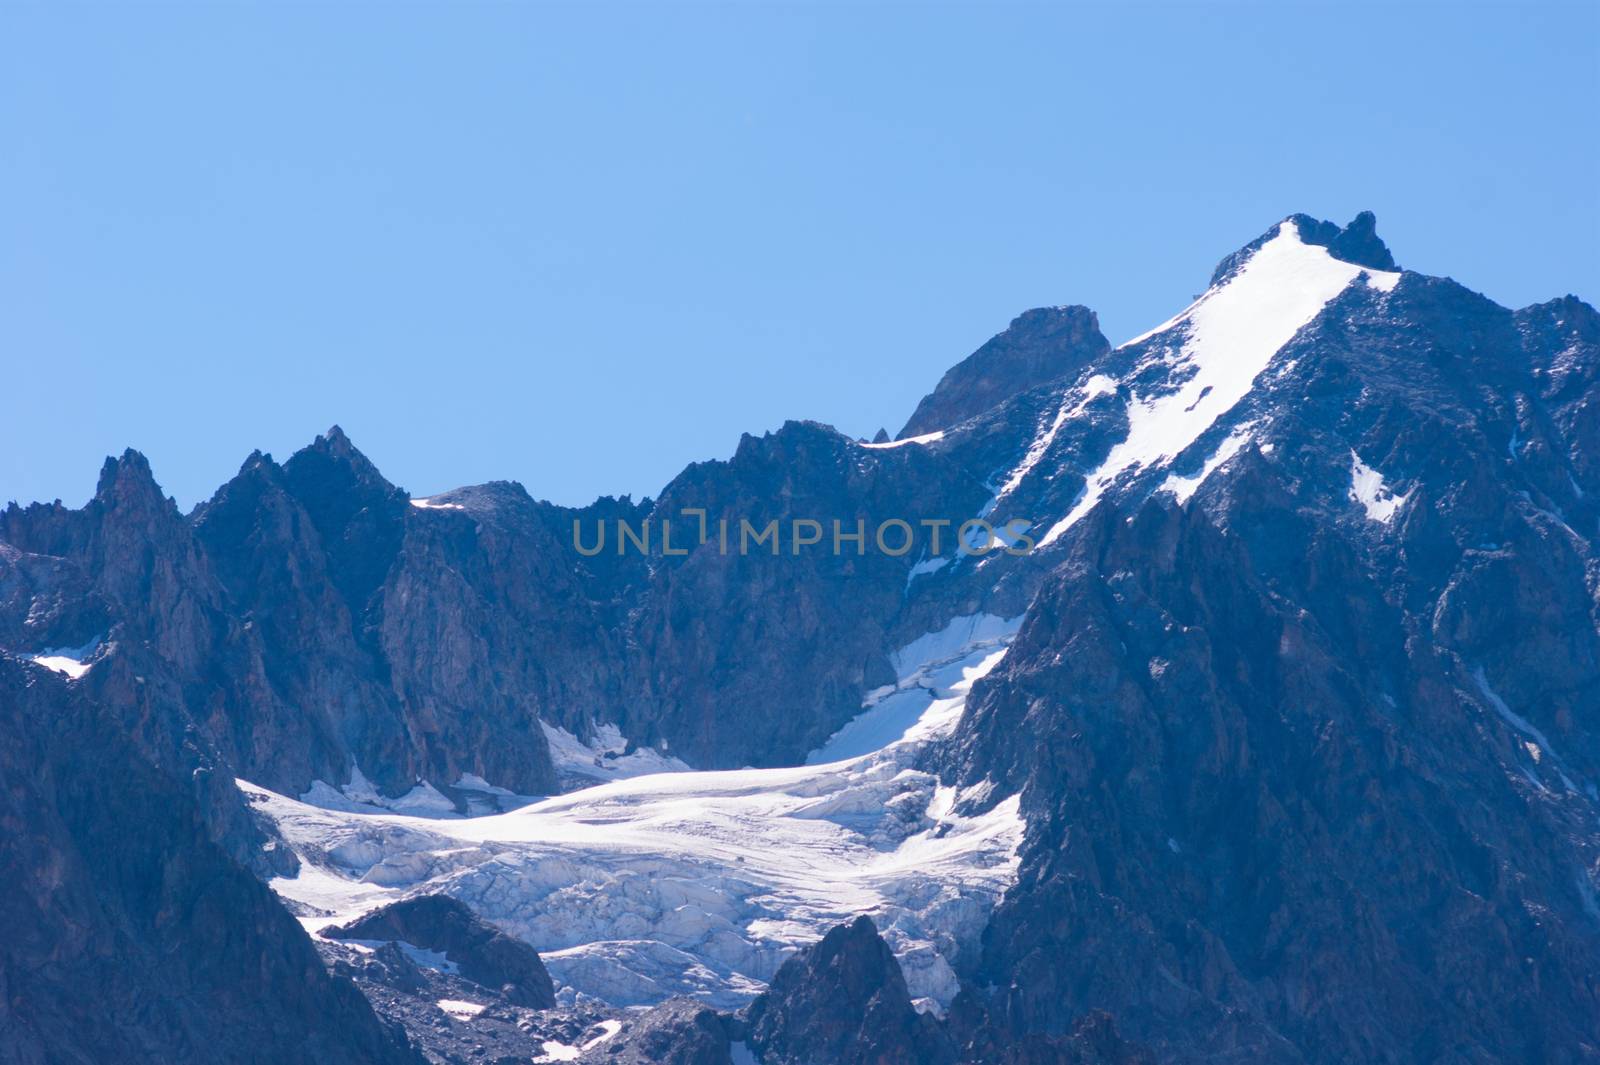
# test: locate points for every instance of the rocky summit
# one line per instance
(1221, 696)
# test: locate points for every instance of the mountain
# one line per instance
(1221, 696)
(132, 938)
(1315, 745)
(1038, 347)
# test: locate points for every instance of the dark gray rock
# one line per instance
(679, 1031)
(1357, 243)
(843, 1001)
(1038, 346)
(132, 938)
(483, 954)
(1303, 786)
(451, 1020)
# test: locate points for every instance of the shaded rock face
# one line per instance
(792, 639)
(307, 621)
(1303, 783)
(132, 938)
(405, 689)
(680, 1031)
(1038, 346)
(483, 954)
(842, 1002)
(451, 1019)
(1356, 243)
(125, 581)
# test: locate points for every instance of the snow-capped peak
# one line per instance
(1218, 345)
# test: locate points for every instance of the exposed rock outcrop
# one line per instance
(482, 953)
(1039, 346)
(133, 939)
(844, 1002)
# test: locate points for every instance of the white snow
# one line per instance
(1383, 280)
(1230, 335)
(1097, 385)
(429, 504)
(933, 676)
(604, 757)
(63, 664)
(959, 635)
(423, 800)
(1368, 489)
(610, 1029)
(925, 438)
(460, 1009)
(558, 1051)
(1537, 744)
(938, 668)
(1185, 487)
(1036, 451)
(926, 566)
(703, 883)
(72, 661)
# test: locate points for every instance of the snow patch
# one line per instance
(558, 1051)
(71, 661)
(1508, 715)
(63, 664)
(926, 566)
(460, 1008)
(360, 794)
(1097, 385)
(429, 504)
(426, 959)
(925, 438)
(935, 672)
(1230, 335)
(959, 635)
(1185, 487)
(1368, 489)
(1383, 280)
(606, 757)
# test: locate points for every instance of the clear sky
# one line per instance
(581, 247)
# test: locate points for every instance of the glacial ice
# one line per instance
(703, 883)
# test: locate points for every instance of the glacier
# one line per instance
(702, 883)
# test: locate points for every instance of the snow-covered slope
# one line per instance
(703, 883)
(1202, 362)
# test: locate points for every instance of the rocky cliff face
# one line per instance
(844, 1000)
(1039, 346)
(134, 939)
(1313, 748)
(479, 951)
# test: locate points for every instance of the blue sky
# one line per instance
(581, 247)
